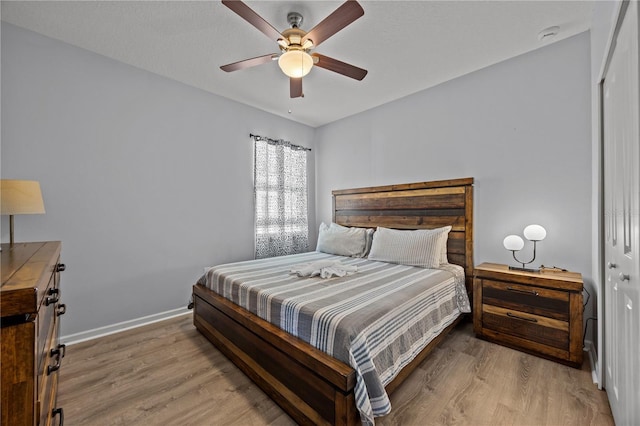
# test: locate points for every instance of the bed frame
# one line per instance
(311, 386)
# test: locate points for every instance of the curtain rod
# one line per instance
(280, 142)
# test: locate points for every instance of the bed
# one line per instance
(309, 384)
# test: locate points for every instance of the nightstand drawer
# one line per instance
(526, 298)
(535, 328)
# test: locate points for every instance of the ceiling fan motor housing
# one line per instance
(294, 36)
(294, 19)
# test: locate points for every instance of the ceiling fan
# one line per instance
(295, 44)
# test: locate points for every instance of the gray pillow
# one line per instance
(342, 240)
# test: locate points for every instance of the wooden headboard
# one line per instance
(422, 205)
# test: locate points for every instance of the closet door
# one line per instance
(621, 117)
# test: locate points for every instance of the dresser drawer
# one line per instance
(48, 383)
(47, 398)
(534, 300)
(17, 385)
(50, 359)
(46, 322)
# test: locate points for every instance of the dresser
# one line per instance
(536, 312)
(29, 349)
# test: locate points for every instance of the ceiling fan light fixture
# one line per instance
(295, 63)
(283, 43)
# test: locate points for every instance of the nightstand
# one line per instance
(536, 312)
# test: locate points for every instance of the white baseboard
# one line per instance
(83, 336)
(590, 349)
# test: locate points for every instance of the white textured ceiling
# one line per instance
(406, 46)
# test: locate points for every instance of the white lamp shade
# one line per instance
(513, 243)
(535, 233)
(295, 63)
(20, 197)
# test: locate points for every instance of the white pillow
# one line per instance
(426, 248)
(342, 240)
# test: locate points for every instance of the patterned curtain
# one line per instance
(280, 190)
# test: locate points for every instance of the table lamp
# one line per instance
(20, 197)
(514, 243)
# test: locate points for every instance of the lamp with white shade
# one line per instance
(20, 197)
(515, 243)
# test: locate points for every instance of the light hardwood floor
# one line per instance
(168, 374)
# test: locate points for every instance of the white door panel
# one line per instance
(621, 131)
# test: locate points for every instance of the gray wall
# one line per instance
(521, 128)
(145, 180)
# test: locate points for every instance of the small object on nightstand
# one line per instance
(514, 243)
(536, 312)
(544, 268)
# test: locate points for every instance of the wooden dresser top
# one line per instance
(26, 269)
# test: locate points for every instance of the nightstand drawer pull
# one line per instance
(509, 314)
(535, 293)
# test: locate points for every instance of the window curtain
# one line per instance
(280, 191)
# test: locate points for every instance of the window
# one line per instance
(280, 190)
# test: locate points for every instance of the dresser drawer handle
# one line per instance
(509, 314)
(53, 368)
(60, 349)
(59, 353)
(61, 310)
(517, 290)
(58, 411)
(51, 300)
(60, 267)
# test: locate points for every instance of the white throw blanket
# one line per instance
(324, 269)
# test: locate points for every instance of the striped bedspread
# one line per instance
(376, 320)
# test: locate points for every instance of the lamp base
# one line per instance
(11, 229)
(520, 268)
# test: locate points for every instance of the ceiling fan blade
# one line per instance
(253, 18)
(340, 18)
(339, 67)
(295, 87)
(248, 63)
